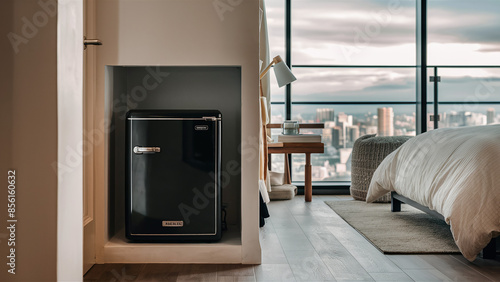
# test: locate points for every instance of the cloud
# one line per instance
(361, 76)
(366, 85)
(319, 24)
(480, 29)
(381, 86)
(490, 49)
(391, 87)
(474, 80)
(342, 22)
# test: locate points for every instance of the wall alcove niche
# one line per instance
(176, 55)
(189, 88)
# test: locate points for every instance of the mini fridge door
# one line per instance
(173, 180)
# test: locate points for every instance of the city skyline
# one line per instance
(489, 116)
(341, 132)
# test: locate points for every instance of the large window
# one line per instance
(464, 52)
(355, 63)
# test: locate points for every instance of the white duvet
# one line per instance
(454, 171)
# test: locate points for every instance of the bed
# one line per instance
(454, 172)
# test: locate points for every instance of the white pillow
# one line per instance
(276, 178)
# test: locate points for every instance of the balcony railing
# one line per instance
(464, 95)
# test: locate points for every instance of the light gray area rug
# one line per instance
(410, 231)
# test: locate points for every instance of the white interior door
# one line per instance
(89, 56)
(69, 140)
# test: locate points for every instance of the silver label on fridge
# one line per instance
(201, 127)
(172, 223)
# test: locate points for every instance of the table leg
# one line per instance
(308, 179)
(288, 179)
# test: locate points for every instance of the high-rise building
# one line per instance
(327, 132)
(326, 136)
(455, 119)
(345, 118)
(352, 133)
(336, 134)
(367, 129)
(324, 115)
(343, 132)
(385, 119)
(472, 119)
(490, 116)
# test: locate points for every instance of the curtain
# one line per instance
(264, 54)
(264, 182)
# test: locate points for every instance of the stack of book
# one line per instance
(299, 138)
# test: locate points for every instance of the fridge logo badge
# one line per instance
(172, 223)
(201, 127)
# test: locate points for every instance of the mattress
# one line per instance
(454, 171)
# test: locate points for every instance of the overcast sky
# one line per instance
(373, 32)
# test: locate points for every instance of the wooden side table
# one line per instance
(299, 148)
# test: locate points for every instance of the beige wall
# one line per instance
(6, 73)
(29, 93)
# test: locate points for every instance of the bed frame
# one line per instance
(489, 252)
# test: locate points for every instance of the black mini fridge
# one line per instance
(173, 190)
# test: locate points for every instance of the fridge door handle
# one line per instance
(146, 150)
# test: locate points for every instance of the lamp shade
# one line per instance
(283, 74)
